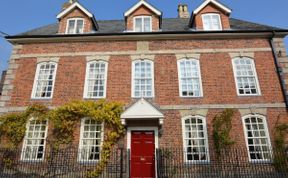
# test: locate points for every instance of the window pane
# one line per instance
(143, 81)
(75, 26)
(257, 138)
(211, 22)
(245, 74)
(91, 134)
(44, 80)
(147, 24)
(142, 24)
(34, 141)
(190, 78)
(79, 27)
(138, 24)
(95, 79)
(195, 139)
(215, 22)
(71, 26)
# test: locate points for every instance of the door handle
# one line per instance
(142, 159)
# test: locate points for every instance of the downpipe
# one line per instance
(279, 70)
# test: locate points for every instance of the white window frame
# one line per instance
(255, 76)
(24, 146)
(85, 95)
(267, 135)
(211, 14)
(205, 137)
(142, 19)
(152, 77)
(36, 79)
(74, 30)
(179, 78)
(81, 145)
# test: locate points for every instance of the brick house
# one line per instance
(174, 75)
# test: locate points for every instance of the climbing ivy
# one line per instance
(13, 125)
(222, 125)
(64, 120)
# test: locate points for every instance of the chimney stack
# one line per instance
(183, 11)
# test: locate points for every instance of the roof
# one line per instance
(216, 3)
(71, 7)
(140, 3)
(168, 25)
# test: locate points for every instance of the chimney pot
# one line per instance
(183, 11)
(67, 4)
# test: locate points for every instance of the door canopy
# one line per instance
(142, 110)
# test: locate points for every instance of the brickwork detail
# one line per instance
(103, 57)
(48, 59)
(191, 55)
(9, 78)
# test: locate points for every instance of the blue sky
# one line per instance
(18, 16)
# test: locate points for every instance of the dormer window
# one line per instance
(142, 24)
(75, 26)
(211, 21)
(75, 19)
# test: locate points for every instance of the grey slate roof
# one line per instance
(168, 25)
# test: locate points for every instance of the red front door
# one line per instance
(142, 154)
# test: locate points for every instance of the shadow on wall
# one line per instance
(2, 81)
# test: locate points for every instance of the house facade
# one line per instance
(174, 75)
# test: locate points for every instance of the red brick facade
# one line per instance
(215, 56)
(216, 72)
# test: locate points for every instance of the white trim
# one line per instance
(266, 132)
(206, 2)
(142, 23)
(156, 135)
(80, 142)
(152, 76)
(210, 15)
(87, 76)
(205, 136)
(255, 75)
(179, 78)
(142, 109)
(142, 2)
(36, 79)
(75, 27)
(24, 146)
(75, 4)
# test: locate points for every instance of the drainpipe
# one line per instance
(279, 70)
